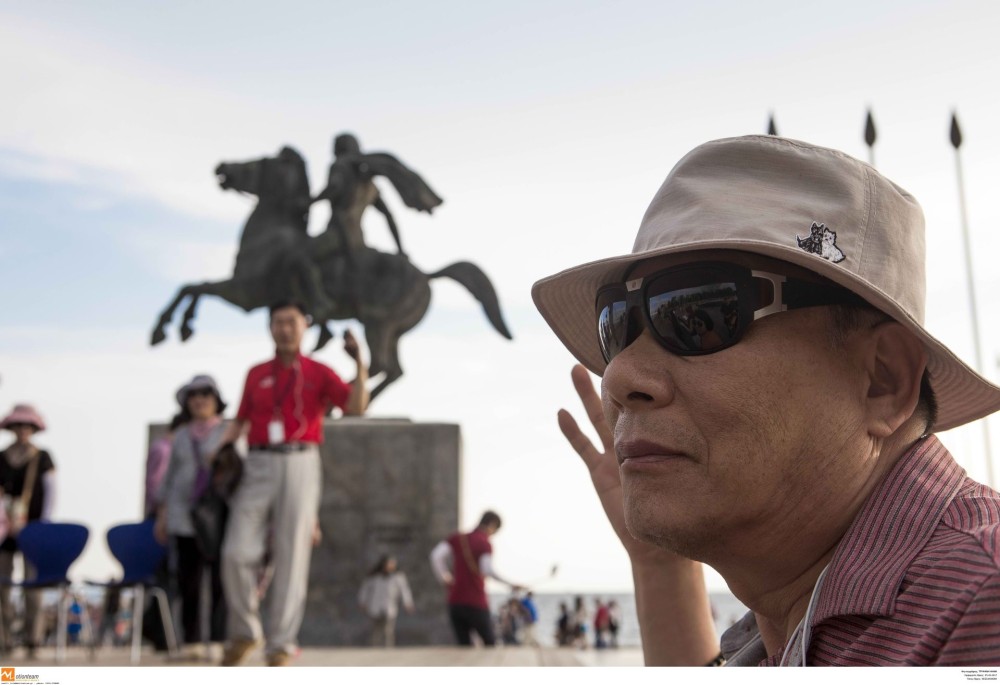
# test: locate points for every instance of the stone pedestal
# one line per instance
(390, 487)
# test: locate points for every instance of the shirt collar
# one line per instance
(894, 524)
(866, 571)
(297, 363)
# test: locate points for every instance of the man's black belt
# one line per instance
(284, 448)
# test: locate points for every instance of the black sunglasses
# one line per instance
(200, 392)
(702, 308)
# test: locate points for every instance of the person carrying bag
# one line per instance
(191, 517)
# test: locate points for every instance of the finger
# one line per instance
(577, 440)
(592, 405)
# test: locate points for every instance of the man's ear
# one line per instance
(895, 362)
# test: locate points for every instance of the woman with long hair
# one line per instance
(379, 597)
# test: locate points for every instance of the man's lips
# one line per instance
(644, 450)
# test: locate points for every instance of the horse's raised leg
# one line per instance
(383, 347)
(160, 332)
(232, 290)
(187, 330)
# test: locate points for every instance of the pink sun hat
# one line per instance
(24, 413)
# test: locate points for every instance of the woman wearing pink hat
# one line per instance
(27, 480)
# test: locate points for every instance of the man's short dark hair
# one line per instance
(282, 304)
(490, 518)
(847, 318)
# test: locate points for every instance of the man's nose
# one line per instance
(639, 376)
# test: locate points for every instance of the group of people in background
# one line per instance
(271, 515)
(463, 561)
(574, 625)
(516, 620)
(271, 524)
(179, 469)
(271, 498)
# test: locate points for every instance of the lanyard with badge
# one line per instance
(276, 426)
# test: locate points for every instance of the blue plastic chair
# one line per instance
(139, 554)
(51, 548)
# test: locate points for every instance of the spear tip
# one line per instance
(956, 132)
(869, 129)
(772, 129)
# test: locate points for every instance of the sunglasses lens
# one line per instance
(690, 310)
(695, 319)
(612, 324)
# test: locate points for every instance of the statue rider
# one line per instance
(350, 190)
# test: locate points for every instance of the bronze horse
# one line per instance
(385, 292)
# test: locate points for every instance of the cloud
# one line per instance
(18, 165)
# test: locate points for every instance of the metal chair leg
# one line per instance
(85, 623)
(137, 607)
(62, 629)
(168, 622)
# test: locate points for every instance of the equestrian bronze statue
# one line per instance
(334, 274)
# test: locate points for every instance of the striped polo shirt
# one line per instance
(915, 580)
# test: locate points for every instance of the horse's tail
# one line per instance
(477, 283)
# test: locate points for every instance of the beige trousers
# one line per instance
(277, 501)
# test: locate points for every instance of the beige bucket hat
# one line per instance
(810, 206)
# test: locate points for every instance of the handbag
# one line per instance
(15, 513)
(210, 509)
(208, 517)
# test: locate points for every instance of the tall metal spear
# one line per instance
(956, 142)
(870, 137)
(772, 130)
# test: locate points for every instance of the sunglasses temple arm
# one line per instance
(778, 303)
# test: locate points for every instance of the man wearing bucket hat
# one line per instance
(792, 451)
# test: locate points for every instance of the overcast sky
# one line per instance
(546, 127)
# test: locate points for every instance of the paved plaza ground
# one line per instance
(349, 656)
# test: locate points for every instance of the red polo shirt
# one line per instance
(301, 394)
(469, 588)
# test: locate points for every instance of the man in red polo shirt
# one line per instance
(281, 413)
(462, 563)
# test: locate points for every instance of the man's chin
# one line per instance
(672, 533)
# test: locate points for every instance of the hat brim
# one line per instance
(26, 420)
(566, 302)
(182, 394)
